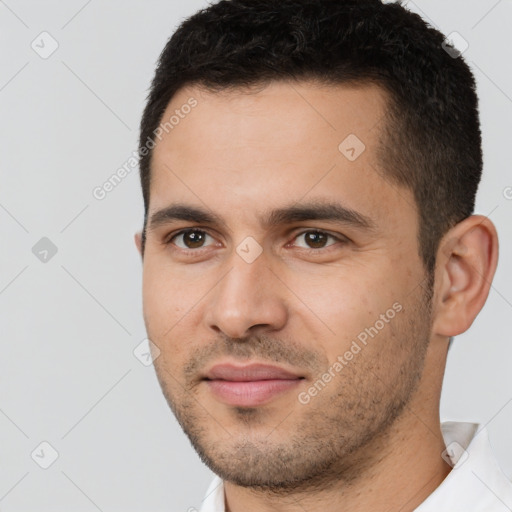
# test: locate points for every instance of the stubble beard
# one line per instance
(337, 436)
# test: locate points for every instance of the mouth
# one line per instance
(250, 385)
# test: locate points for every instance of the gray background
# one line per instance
(70, 324)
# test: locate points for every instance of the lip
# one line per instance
(249, 385)
(250, 372)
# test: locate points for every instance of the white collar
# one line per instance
(476, 483)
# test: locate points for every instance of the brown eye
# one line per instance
(315, 239)
(190, 239)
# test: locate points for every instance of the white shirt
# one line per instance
(476, 483)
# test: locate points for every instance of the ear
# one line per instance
(138, 241)
(466, 263)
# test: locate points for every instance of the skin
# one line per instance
(302, 302)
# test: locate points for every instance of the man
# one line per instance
(309, 171)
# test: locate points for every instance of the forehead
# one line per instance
(276, 117)
(245, 151)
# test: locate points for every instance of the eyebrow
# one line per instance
(315, 210)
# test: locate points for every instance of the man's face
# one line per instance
(296, 291)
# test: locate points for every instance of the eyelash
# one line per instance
(169, 240)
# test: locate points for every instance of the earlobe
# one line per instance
(466, 263)
(138, 241)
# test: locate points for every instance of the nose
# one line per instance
(249, 296)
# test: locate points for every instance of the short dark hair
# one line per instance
(431, 141)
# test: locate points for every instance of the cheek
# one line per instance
(173, 304)
(164, 303)
(339, 305)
